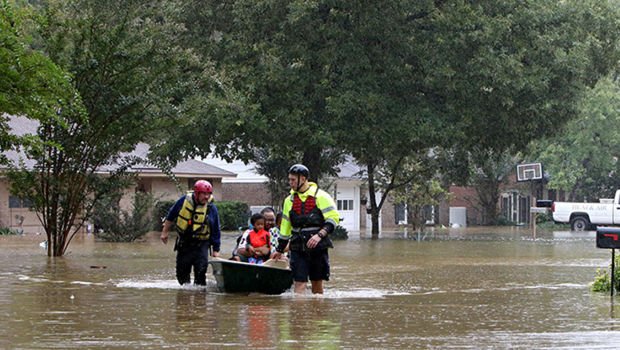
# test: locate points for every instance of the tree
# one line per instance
(384, 80)
(583, 159)
(488, 77)
(31, 83)
(135, 83)
(422, 192)
(120, 225)
(490, 173)
(275, 168)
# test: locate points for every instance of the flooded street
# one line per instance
(479, 288)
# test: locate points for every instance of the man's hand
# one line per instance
(277, 256)
(164, 231)
(250, 250)
(216, 254)
(314, 241)
(262, 251)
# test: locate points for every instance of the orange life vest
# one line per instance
(259, 239)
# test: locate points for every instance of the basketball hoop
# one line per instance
(529, 172)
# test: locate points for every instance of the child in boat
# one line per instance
(257, 245)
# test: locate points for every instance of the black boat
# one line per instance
(271, 277)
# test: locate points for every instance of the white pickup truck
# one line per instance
(586, 216)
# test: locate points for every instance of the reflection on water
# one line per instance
(467, 288)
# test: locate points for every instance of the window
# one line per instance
(345, 204)
(27, 203)
(16, 202)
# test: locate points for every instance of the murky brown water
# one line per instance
(475, 288)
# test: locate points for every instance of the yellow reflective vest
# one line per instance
(193, 221)
(325, 211)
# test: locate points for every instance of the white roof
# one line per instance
(245, 173)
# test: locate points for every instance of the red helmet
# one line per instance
(203, 186)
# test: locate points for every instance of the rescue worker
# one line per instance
(309, 218)
(197, 222)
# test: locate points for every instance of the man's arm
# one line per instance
(164, 232)
(244, 249)
(325, 202)
(216, 233)
(285, 230)
(172, 215)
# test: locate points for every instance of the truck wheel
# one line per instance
(579, 224)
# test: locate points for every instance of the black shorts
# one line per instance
(313, 264)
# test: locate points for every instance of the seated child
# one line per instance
(257, 245)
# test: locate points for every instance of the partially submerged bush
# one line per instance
(5, 231)
(119, 225)
(160, 212)
(602, 282)
(340, 233)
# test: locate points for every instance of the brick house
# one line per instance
(15, 212)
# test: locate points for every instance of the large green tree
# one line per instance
(136, 83)
(583, 159)
(382, 80)
(31, 84)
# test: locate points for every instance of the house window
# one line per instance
(345, 204)
(27, 203)
(399, 213)
(16, 202)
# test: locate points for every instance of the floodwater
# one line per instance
(495, 288)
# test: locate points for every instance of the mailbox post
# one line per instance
(609, 238)
(535, 211)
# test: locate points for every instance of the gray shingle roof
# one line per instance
(22, 126)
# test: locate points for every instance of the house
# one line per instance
(514, 203)
(15, 213)
(348, 190)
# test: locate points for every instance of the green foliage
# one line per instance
(134, 81)
(340, 233)
(553, 225)
(160, 211)
(419, 188)
(490, 173)
(602, 282)
(275, 168)
(401, 76)
(233, 215)
(119, 225)
(543, 218)
(501, 221)
(31, 84)
(583, 158)
(5, 231)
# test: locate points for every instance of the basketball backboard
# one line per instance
(529, 171)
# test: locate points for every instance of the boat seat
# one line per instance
(281, 264)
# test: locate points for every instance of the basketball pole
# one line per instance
(533, 205)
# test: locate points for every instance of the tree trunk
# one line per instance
(312, 160)
(373, 210)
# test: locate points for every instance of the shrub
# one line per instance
(542, 218)
(233, 215)
(602, 282)
(340, 233)
(119, 225)
(160, 211)
(501, 221)
(5, 231)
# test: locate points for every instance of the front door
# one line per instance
(347, 207)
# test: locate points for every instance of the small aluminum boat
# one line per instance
(270, 277)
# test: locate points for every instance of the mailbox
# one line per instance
(608, 237)
(543, 203)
